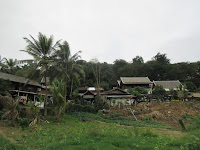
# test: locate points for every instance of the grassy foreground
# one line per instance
(71, 133)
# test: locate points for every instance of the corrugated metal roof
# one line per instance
(168, 84)
(121, 96)
(18, 79)
(135, 80)
(116, 91)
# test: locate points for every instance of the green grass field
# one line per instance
(85, 132)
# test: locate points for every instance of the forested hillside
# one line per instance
(158, 68)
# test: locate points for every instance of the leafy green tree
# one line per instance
(140, 90)
(98, 102)
(5, 86)
(108, 77)
(159, 92)
(96, 67)
(118, 64)
(105, 85)
(173, 93)
(58, 89)
(138, 59)
(191, 87)
(161, 58)
(134, 92)
(182, 92)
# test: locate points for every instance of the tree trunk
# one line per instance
(71, 89)
(45, 102)
(58, 113)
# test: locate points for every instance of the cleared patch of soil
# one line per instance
(164, 112)
(8, 131)
(169, 132)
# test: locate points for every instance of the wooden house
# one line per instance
(89, 93)
(130, 82)
(118, 96)
(23, 87)
(168, 85)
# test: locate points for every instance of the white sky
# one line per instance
(105, 29)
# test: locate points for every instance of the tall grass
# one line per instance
(7, 145)
(79, 133)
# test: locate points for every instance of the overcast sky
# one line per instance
(105, 29)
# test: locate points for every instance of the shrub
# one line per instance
(149, 133)
(4, 86)
(1, 113)
(23, 123)
(94, 133)
(147, 118)
(195, 123)
(80, 108)
(182, 124)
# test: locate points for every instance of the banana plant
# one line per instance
(58, 89)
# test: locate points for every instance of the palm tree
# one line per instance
(44, 52)
(66, 65)
(9, 65)
(76, 73)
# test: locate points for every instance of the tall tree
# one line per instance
(138, 59)
(118, 65)
(96, 67)
(161, 58)
(9, 65)
(67, 66)
(43, 51)
(159, 92)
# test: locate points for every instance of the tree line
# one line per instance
(158, 68)
(54, 60)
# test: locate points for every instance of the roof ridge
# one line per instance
(134, 77)
(167, 81)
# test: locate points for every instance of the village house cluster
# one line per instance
(29, 90)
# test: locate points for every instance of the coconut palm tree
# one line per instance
(43, 51)
(66, 65)
(76, 72)
(9, 65)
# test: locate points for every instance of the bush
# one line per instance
(23, 123)
(195, 123)
(80, 108)
(1, 113)
(182, 125)
(4, 86)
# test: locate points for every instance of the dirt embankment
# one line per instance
(165, 112)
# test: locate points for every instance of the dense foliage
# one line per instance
(4, 86)
(159, 68)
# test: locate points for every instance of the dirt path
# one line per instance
(159, 131)
(169, 132)
(8, 132)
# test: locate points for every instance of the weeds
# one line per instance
(73, 133)
(182, 125)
